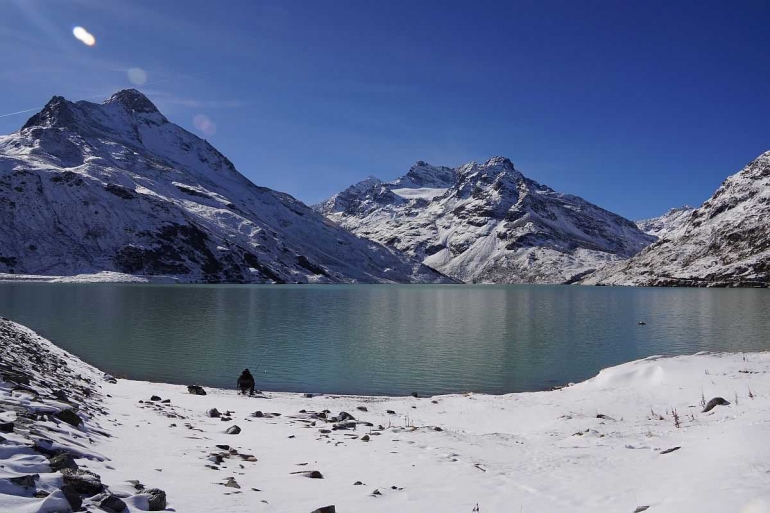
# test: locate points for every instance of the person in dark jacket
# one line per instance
(246, 382)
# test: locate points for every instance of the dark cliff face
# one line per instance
(725, 242)
(115, 186)
(487, 222)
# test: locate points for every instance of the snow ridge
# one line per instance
(723, 243)
(117, 187)
(486, 223)
(667, 223)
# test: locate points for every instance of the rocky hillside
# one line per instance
(669, 222)
(115, 186)
(486, 223)
(725, 242)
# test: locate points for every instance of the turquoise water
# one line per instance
(383, 339)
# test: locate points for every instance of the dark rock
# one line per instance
(224, 447)
(195, 390)
(72, 496)
(358, 483)
(390, 412)
(16, 376)
(232, 483)
(258, 414)
(82, 481)
(61, 461)
(604, 417)
(112, 504)
(225, 419)
(308, 396)
(667, 451)
(362, 408)
(314, 474)
(233, 430)
(41, 494)
(166, 401)
(414, 394)
(437, 429)
(365, 438)
(155, 398)
(213, 413)
(70, 417)
(110, 379)
(717, 401)
(27, 481)
(376, 492)
(6, 427)
(325, 509)
(639, 509)
(157, 499)
(345, 416)
(60, 395)
(136, 484)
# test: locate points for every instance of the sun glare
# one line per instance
(137, 76)
(84, 36)
(204, 124)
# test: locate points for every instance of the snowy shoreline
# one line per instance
(633, 436)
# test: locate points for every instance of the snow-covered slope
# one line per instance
(486, 223)
(115, 186)
(669, 222)
(725, 242)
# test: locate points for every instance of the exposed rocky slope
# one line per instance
(115, 186)
(725, 242)
(666, 224)
(486, 223)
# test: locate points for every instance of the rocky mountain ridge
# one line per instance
(116, 186)
(725, 242)
(486, 223)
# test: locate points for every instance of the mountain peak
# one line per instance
(56, 112)
(500, 161)
(133, 100)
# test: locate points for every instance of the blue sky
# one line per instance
(636, 106)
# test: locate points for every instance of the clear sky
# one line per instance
(636, 106)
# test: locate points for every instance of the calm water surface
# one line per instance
(383, 339)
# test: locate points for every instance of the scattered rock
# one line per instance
(415, 394)
(6, 427)
(717, 401)
(641, 508)
(156, 499)
(61, 461)
(224, 447)
(232, 483)
(155, 398)
(604, 417)
(376, 492)
(670, 450)
(313, 474)
(136, 484)
(233, 430)
(308, 396)
(434, 402)
(390, 412)
(365, 438)
(195, 390)
(258, 414)
(362, 408)
(112, 504)
(166, 401)
(436, 428)
(110, 379)
(70, 417)
(358, 483)
(325, 509)
(345, 416)
(213, 413)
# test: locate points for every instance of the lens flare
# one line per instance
(137, 76)
(84, 36)
(204, 124)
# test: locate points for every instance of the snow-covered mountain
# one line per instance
(669, 222)
(486, 223)
(88, 187)
(725, 242)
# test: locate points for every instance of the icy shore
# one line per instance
(633, 438)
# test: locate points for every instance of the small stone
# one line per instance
(136, 484)
(258, 414)
(358, 483)
(314, 474)
(166, 401)
(155, 398)
(157, 499)
(345, 416)
(233, 430)
(639, 509)
(415, 394)
(112, 504)
(195, 390)
(325, 509)
(362, 408)
(437, 429)
(390, 412)
(224, 447)
(376, 492)
(308, 396)
(213, 413)
(717, 401)
(232, 483)
(365, 438)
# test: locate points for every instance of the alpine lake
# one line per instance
(383, 339)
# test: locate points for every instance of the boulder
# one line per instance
(82, 481)
(362, 408)
(70, 417)
(112, 504)
(62, 461)
(345, 416)
(213, 413)
(72, 496)
(325, 509)
(717, 401)
(233, 430)
(27, 481)
(6, 427)
(155, 398)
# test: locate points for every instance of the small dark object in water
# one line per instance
(641, 323)
(717, 401)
